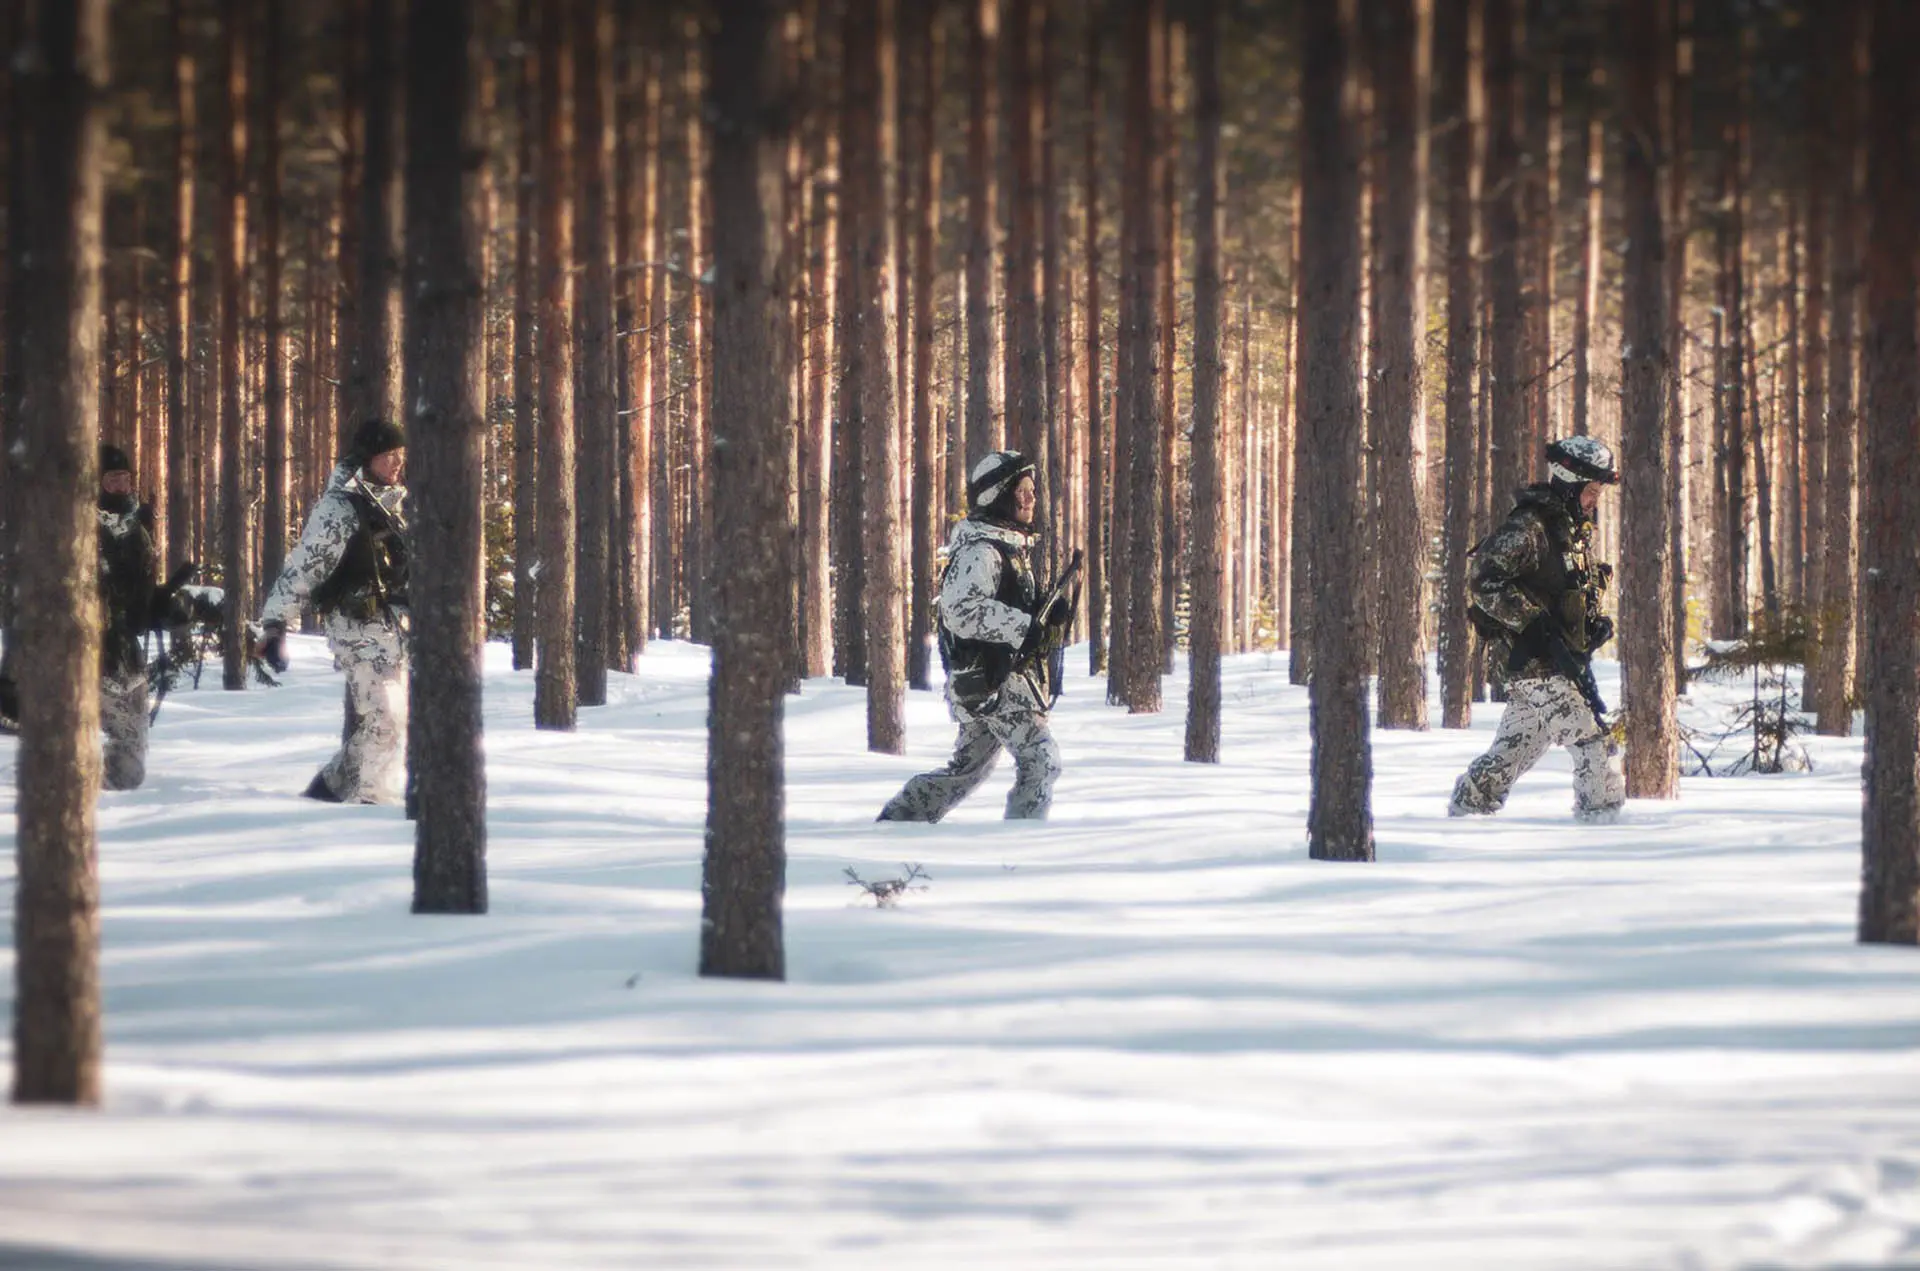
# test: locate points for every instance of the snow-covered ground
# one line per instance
(1150, 1033)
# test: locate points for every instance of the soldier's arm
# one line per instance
(968, 603)
(1510, 554)
(317, 555)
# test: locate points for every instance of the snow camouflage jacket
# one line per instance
(129, 562)
(987, 596)
(1537, 562)
(355, 532)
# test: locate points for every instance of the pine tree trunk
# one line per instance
(1834, 670)
(922, 50)
(1056, 339)
(1592, 226)
(1402, 33)
(658, 410)
(1793, 472)
(848, 488)
(274, 529)
(1890, 511)
(744, 875)
(869, 53)
(816, 591)
(983, 33)
(1025, 362)
(230, 263)
(1300, 578)
(447, 432)
(1464, 112)
(1813, 328)
(593, 409)
(1099, 444)
(634, 209)
(179, 520)
(1733, 228)
(1168, 106)
(55, 196)
(1144, 178)
(1339, 816)
(1646, 640)
(1209, 546)
(1680, 427)
(1506, 97)
(370, 384)
(699, 355)
(555, 692)
(526, 371)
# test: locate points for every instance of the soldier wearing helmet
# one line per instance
(1536, 595)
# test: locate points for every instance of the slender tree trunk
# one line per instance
(660, 380)
(816, 591)
(593, 407)
(526, 372)
(274, 545)
(1402, 35)
(1168, 106)
(744, 875)
(555, 692)
(1834, 671)
(370, 384)
(1099, 444)
(632, 234)
(1300, 579)
(1144, 178)
(1813, 379)
(1793, 473)
(699, 337)
(983, 34)
(55, 197)
(1679, 422)
(1645, 638)
(922, 81)
(230, 262)
(1056, 337)
(1890, 512)
(1209, 547)
(869, 54)
(1339, 815)
(179, 519)
(1026, 386)
(1592, 226)
(1464, 111)
(1506, 98)
(445, 385)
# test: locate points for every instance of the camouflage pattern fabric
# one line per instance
(1015, 723)
(330, 527)
(123, 717)
(1015, 719)
(1542, 713)
(371, 762)
(1536, 562)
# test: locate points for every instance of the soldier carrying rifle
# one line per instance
(998, 637)
(1536, 601)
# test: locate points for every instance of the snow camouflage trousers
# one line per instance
(123, 717)
(1015, 726)
(1542, 713)
(371, 762)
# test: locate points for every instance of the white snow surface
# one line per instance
(1149, 1033)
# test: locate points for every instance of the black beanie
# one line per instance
(376, 437)
(113, 459)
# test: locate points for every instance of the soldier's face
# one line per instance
(117, 483)
(1590, 496)
(1023, 500)
(388, 466)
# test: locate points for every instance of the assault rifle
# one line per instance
(1552, 643)
(1048, 640)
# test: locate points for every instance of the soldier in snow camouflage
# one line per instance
(997, 691)
(351, 565)
(1536, 601)
(129, 562)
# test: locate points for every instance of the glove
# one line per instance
(1599, 631)
(1058, 613)
(270, 646)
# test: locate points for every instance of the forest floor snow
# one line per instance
(1149, 1033)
